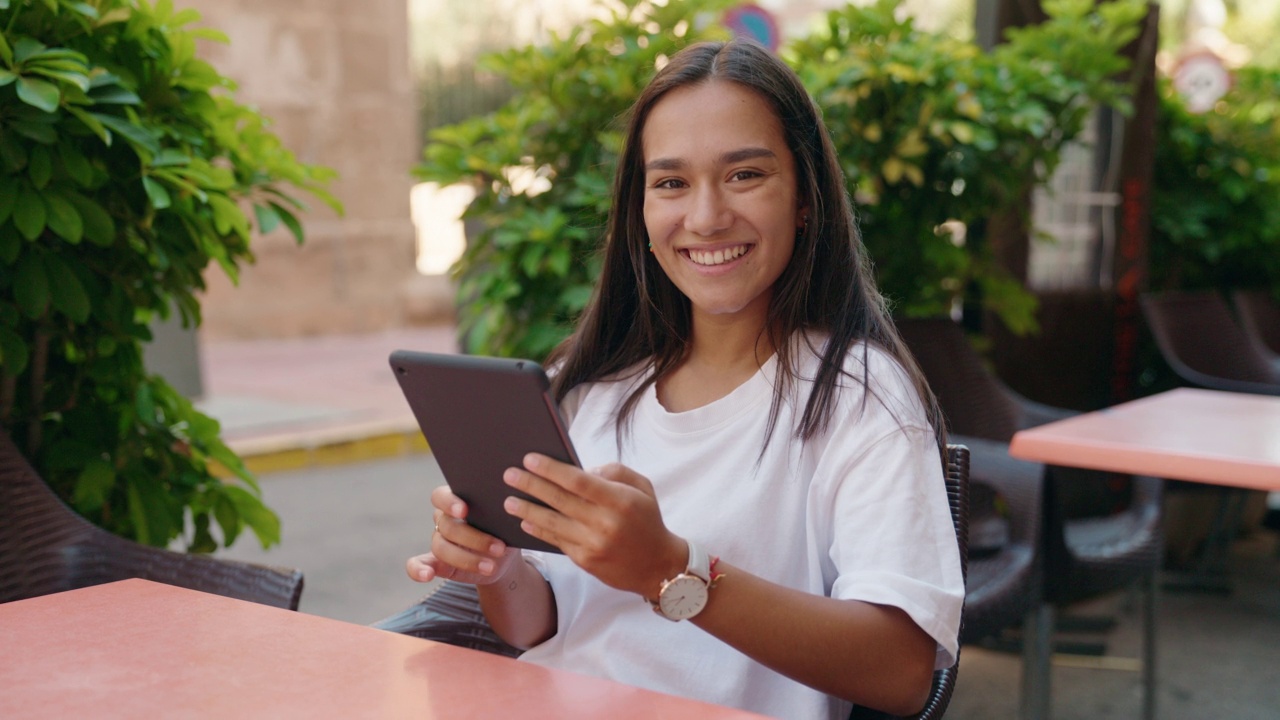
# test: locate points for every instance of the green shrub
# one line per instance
(125, 169)
(930, 129)
(1216, 189)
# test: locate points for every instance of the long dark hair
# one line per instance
(638, 318)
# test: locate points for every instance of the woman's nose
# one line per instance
(708, 212)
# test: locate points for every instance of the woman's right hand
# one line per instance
(459, 551)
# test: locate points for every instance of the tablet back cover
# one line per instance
(481, 415)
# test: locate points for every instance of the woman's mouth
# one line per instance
(711, 258)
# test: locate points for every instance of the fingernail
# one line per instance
(457, 509)
(425, 575)
(511, 504)
(510, 476)
(486, 567)
(497, 549)
(532, 460)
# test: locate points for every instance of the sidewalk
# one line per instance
(306, 402)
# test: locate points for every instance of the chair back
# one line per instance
(46, 547)
(36, 528)
(1203, 344)
(1259, 314)
(975, 402)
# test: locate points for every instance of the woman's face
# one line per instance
(721, 202)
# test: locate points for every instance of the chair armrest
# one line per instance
(450, 615)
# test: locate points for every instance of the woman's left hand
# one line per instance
(605, 520)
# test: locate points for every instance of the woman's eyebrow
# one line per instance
(728, 158)
(747, 153)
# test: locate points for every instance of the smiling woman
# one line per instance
(817, 563)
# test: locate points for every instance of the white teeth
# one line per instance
(718, 257)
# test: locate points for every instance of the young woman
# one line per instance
(766, 460)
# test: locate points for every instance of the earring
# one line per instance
(650, 247)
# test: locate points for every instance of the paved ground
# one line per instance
(309, 408)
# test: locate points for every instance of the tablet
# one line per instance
(482, 415)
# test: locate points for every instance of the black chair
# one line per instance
(1203, 344)
(452, 613)
(1083, 557)
(1259, 313)
(45, 547)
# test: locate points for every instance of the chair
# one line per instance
(1203, 344)
(45, 547)
(1259, 314)
(452, 613)
(1083, 557)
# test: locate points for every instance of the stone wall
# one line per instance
(334, 77)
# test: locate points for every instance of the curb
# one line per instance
(337, 446)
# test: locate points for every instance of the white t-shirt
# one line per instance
(859, 512)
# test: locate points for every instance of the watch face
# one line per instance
(683, 597)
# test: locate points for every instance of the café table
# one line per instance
(135, 648)
(1206, 436)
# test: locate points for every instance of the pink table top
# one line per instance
(1185, 434)
(135, 649)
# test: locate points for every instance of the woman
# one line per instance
(740, 392)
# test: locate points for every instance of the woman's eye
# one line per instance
(745, 175)
(669, 184)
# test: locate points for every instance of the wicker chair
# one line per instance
(1203, 344)
(45, 547)
(452, 613)
(1259, 314)
(1083, 557)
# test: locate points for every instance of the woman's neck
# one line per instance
(723, 354)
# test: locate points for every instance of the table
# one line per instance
(136, 648)
(1206, 436)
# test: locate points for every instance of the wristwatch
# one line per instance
(685, 595)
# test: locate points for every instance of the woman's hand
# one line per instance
(605, 520)
(459, 551)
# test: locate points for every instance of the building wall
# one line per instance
(334, 77)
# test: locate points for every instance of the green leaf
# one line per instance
(7, 77)
(99, 227)
(264, 523)
(84, 9)
(64, 219)
(39, 167)
(10, 245)
(114, 95)
(290, 221)
(38, 131)
(268, 218)
(76, 164)
(39, 93)
(93, 485)
(73, 78)
(67, 293)
(6, 52)
(92, 123)
(25, 47)
(137, 135)
(13, 351)
(31, 286)
(8, 197)
(228, 517)
(156, 193)
(29, 215)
